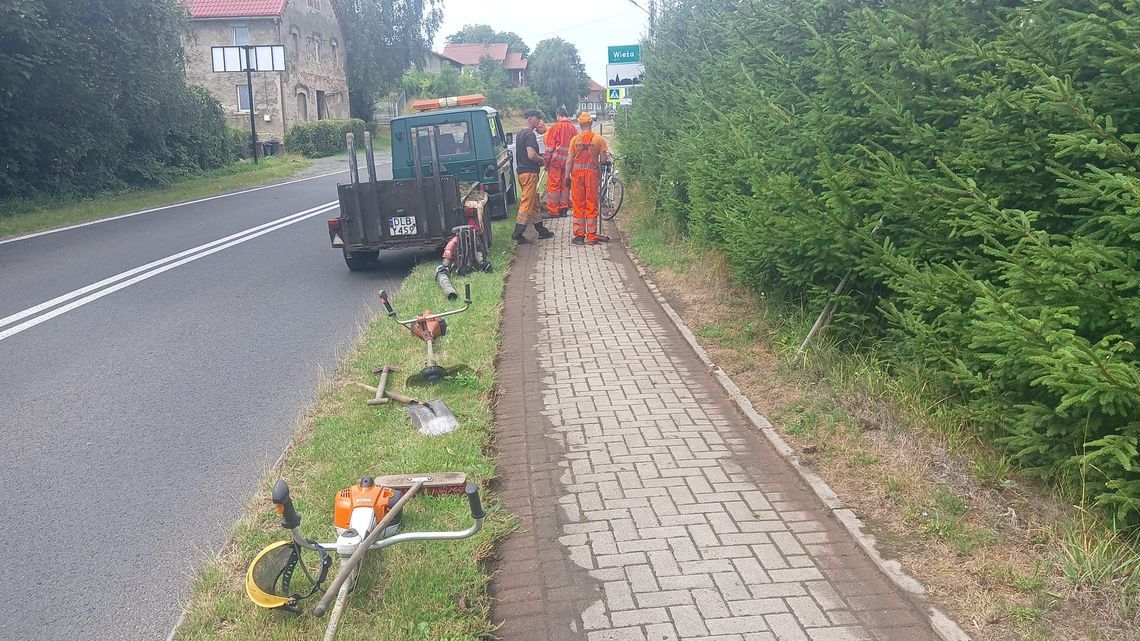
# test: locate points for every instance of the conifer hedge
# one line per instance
(974, 163)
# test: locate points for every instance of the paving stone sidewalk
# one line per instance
(650, 509)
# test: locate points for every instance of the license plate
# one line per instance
(402, 226)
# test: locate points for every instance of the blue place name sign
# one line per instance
(625, 53)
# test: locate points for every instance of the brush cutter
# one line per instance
(367, 517)
(428, 327)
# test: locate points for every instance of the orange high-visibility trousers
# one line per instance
(584, 189)
(557, 195)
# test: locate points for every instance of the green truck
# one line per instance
(450, 167)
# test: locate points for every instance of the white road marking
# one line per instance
(31, 311)
(139, 274)
(164, 207)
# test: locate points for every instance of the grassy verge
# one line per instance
(429, 591)
(27, 216)
(1007, 557)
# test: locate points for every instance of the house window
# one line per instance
(241, 34)
(315, 4)
(317, 48)
(295, 35)
(334, 48)
(243, 100)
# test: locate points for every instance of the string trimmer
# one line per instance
(367, 518)
(428, 327)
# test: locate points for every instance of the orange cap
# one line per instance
(585, 119)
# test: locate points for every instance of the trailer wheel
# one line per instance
(485, 225)
(497, 206)
(360, 261)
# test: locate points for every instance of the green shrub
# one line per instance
(110, 110)
(973, 166)
(239, 142)
(323, 137)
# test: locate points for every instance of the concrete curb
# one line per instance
(942, 625)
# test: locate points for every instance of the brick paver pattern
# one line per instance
(661, 499)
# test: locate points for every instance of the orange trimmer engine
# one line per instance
(365, 494)
(428, 328)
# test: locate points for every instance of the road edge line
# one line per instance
(942, 625)
(37, 234)
(57, 311)
(111, 280)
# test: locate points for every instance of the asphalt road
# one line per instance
(138, 411)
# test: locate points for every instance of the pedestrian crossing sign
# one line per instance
(614, 95)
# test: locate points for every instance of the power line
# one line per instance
(577, 26)
(634, 3)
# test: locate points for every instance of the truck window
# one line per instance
(497, 137)
(451, 139)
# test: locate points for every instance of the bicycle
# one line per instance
(611, 191)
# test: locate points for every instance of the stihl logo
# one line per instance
(363, 500)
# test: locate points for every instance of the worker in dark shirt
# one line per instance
(528, 163)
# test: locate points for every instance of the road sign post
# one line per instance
(249, 92)
(249, 58)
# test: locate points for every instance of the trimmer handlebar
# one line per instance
(417, 319)
(290, 519)
(472, 492)
(387, 305)
(477, 514)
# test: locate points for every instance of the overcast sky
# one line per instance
(591, 25)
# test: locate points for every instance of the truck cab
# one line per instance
(471, 144)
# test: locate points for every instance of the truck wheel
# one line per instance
(512, 190)
(360, 261)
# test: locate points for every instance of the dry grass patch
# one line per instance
(1005, 556)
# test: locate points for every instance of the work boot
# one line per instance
(578, 240)
(543, 232)
(518, 235)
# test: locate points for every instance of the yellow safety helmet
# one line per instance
(269, 581)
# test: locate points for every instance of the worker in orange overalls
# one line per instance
(557, 141)
(587, 151)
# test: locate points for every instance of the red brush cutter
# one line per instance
(428, 327)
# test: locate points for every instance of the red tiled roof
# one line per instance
(514, 61)
(593, 86)
(472, 54)
(234, 8)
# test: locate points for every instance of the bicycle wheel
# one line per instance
(613, 197)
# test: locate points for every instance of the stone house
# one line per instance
(313, 85)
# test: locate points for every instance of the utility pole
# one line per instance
(652, 18)
(249, 92)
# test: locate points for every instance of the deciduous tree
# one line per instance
(385, 38)
(555, 72)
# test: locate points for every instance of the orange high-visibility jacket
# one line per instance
(587, 149)
(557, 141)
